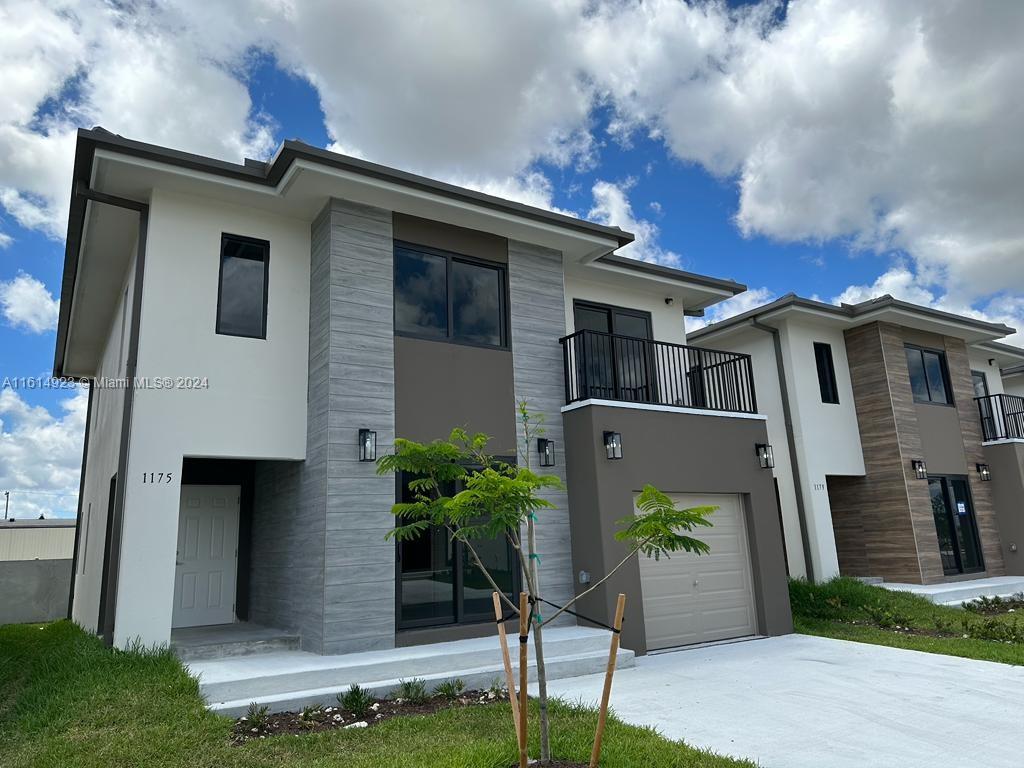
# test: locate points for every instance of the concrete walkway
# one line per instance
(956, 592)
(809, 702)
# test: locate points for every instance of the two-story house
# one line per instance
(254, 335)
(898, 452)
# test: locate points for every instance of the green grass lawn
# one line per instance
(847, 609)
(65, 700)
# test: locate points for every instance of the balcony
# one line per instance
(606, 366)
(1002, 417)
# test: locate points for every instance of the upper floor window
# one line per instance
(980, 383)
(929, 376)
(242, 293)
(826, 372)
(440, 295)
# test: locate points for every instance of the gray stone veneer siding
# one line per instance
(537, 322)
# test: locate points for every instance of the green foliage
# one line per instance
(356, 700)
(886, 616)
(257, 715)
(655, 531)
(842, 598)
(414, 691)
(987, 606)
(495, 500)
(67, 700)
(450, 689)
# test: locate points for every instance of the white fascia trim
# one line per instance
(664, 408)
(1003, 441)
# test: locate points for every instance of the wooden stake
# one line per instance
(620, 608)
(524, 629)
(510, 679)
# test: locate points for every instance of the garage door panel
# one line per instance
(689, 598)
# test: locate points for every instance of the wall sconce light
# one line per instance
(765, 455)
(920, 469)
(367, 445)
(984, 471)
(613, 445)
(546, 449)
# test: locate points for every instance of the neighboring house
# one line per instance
(888, 421)
(276, 325)
(35, 569)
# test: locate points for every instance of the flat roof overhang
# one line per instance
(297, 182)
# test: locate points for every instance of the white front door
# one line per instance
(207, 560)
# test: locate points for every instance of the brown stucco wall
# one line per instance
(439, 385)
(678, 453)
(1006, 460)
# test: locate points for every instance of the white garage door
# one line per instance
(697, 599)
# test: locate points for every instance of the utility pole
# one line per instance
(7, 502)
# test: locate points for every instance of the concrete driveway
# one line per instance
(797, 701)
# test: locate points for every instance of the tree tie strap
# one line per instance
(581, 616)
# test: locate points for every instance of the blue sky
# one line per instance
(835, 150)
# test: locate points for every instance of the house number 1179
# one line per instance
(157, 477)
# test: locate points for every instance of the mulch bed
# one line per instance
(315, 720)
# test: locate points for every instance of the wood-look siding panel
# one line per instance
(882, 502)
(536, 290)
(970, 428)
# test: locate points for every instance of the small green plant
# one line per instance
(257, 716)
(414, 691)
(450, 689)
(309, 715)
(885, 617)
(943, 626)
(498, 690)
(356, 700)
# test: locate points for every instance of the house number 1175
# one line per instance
(157, 477)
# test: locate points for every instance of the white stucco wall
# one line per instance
(104, 446)
(826, 435)
(255, 403)
(979, 362)
(761, 348)
(666, 321)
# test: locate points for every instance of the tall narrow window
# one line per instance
(242, 294)
(826, 373)
(929, 376)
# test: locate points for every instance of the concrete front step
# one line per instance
(290, 680)
(230, 640)
(957, 592)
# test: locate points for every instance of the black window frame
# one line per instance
(459, 616)
(451, 256)
(265, 245)
(984, 382)
(944, 368)
(828, 386)
(612, 309)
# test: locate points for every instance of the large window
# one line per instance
(440, 295)
(437, 581)
(826, 372)
(242, 293)
(929, 376)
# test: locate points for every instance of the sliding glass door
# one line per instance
(439, 584)
(955, 525)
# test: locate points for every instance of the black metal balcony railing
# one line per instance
(1002, 416)
(611, 367)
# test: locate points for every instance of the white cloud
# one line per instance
(612, 207)
(891, 125)
(737, 305)
(5, 240)
(26, 304)
(41, 456)
(902, 283)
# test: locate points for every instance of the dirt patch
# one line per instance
(258, 725)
